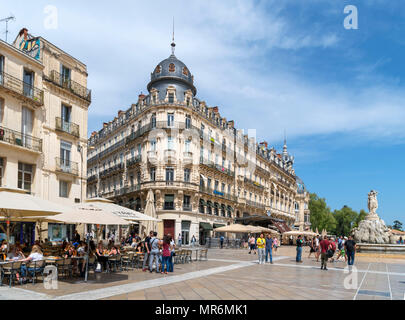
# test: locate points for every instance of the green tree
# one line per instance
(346, 219)
(361, 216)
(321, 216)
(397, 225)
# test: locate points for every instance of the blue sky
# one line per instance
(268, 65)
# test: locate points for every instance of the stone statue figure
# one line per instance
(372, 202)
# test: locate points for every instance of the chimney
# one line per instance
(215, 109)
(141, 97)
(105, 124)
(231, 124)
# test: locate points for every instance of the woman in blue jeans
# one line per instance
(172, 247)
(166, 253)
(35, 256)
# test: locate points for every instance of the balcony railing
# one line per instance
(66, 166)
(218, 194)
(68, 127)
(170, 155)
(133, 161)
(218, 167)
(256, 184)
(255, 204)
(70, 85)
(18, 139)
(25, 90)
(187, 207)
(92, 178)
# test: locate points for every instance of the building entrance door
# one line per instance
(168, 227)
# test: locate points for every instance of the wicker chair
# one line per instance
(10, 270)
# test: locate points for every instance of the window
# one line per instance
(66, 112)
(170, 143)
(138, 177)
(187, 203)
(187, 173)
(169, 202)
(26, 126)
(188, 101)
(1, 106)
(158, 68)
(1, 68)
(65, 150)
(223, 187)
(170, 174)
(65, 76)
(139, 149)
(187, 145)
(188, 122)
(63, 189)
(201, 206)
(209, 182)
(28, 78)
(216, 185)
(152, 174)
(185, 71)
(153, 121)
(170, 119)
(172, 67)
(153, 145)
(216, 209)
(171, 97)
(25, 176)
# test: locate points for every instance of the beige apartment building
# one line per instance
(203, 171)
(44, 103)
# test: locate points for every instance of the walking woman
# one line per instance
(312, 246)
(252, 244)
(166, 252)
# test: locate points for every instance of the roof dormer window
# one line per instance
(158, 69)
(185, 71)
(172, 67)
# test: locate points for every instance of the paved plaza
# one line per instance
(232, 275)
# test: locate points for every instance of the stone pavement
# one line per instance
(232, 275)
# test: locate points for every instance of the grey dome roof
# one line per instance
(172, 69)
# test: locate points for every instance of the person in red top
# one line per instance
(324, 249)
(166, 252)
(333, 248)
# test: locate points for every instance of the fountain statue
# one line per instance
(373, 229)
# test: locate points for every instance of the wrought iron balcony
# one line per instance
(18, 139)
(218, 194)
(256, 184)
(133, 161)
(92, 178)
(255, 204)
(24, 90)
(70, 85)
(68, 127)
(217, 167)
(66, 166)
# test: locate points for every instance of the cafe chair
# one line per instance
(35, 268)
(10, 270)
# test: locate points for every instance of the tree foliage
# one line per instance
(339, 223)
(397, 225)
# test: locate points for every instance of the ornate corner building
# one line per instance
(203, 171)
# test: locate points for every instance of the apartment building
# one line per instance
(44, 103)
(203, 171)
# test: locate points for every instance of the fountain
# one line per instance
(372, 235)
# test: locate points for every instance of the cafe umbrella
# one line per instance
(150, 211)
(18, 204)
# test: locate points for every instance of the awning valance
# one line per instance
(206, 226)
(218, 225)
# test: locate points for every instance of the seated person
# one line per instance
(134, 244)
(114, 251)
(36, 255)
(140, 247)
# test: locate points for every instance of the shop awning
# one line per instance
(218, 225)
(206, 226)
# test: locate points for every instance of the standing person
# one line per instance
(317, 248)
(350, 246)
(172, 253)
(166, 252)
(291, 240)
(193, 241)
(324, 246)
(146, 250)
(275, 243)
(252, 244)
(300, 242)
(261, 244)
(154, 252)
(269, 248)
(179, 240)
(332, 249)
(342, 251)
(312, 246)
(221, 240)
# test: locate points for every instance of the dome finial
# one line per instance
(173, 43)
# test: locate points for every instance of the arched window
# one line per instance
(158, 69)
(172, 67)
(185, 71)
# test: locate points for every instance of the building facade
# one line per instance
(203, 171)
(44, 104)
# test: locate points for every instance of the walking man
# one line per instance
(179, 240)
(221, 239)
(269, 248)
(324, 245)
(146, 250)
(317, 248)
(350, 246)
(261, 244)
(300, 242)
(154, 252)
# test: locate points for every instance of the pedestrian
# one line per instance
(269, 248)
(146, 250)
(300, 243)
(312, 247)
(275, 244)
(179, 240)
(252, 244)
(317, 248)
(221, 240)
(172, 253)
(324, 246)
(166, 252)
(350, 246)
(342, 252)
(291, 242)
(155, 243)
(332, 249)
(261, 244)
(193, 241)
